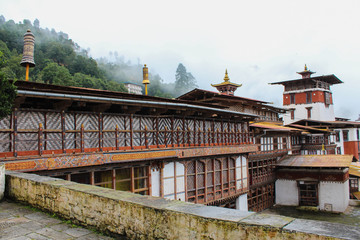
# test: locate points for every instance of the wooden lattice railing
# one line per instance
(30, 132)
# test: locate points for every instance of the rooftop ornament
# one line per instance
(28, 53)
(145, 78)
(226, 87)
(306, 73)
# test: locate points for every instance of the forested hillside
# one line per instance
(59, 60)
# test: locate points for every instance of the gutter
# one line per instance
(117, 100)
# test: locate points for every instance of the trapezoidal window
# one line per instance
(308, 193)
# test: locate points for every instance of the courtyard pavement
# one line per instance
(19, 222)
(350, 217)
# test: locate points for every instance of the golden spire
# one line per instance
(226, 78)
(305, 68)
(145, 78)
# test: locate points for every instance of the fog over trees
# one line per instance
(61, 61)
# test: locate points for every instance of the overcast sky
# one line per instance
(257, 41)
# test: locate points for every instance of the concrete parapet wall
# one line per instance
(145, 217)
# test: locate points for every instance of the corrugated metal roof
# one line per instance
(316, 161)
(273, 127)
(355, 169)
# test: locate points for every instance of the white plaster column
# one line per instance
(242, 203)
(2, 180)
(286, 192)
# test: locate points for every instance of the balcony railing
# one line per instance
(30, 132)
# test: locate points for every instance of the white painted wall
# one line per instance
(155, 182)
(351, 137)
(286, 192)
(242, 203)
(318, 112)
(241, 160)
(2, 180)
(169, 181)
(334, 193)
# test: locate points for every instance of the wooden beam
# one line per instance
(62, 105)
(101, 107)
(18, 101)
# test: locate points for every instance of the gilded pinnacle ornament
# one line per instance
(28, 53)
(145, 78)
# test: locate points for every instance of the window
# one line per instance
(275, 143)
(308, 193)
(346, 135)
(327, 98)
(292, 114)
(308, 112)
(308, 97)
(214, 179)
(292, 98)
(354, 185)
(337, 135)
(338, 150)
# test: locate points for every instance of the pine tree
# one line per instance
(184, 81)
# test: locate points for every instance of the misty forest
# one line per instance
(61, 61)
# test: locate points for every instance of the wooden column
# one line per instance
(125, 132)
(183, 131)
(175, 178)
(40, 139)
(117, 137)
(157, 132)
(100, 132)
(196, 186)
(45, 132)
(149, 180)
(194, 132)
(82, 143)
(63, 136)
(92, 178)
(15, 132)
(132, 187)
(146, 139)
(204, 129)
(113, 182)
(162, 179)
(205, 181)
(172, 131)
(131, 132)
(75, 133)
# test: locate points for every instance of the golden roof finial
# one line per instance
(226, 78)
(305, 68)
(145, 78)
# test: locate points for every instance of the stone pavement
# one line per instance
(19, 222)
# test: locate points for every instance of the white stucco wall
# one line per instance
(318, 112)
(2, 180)
(241, 161)
(334, 193)
(169, 181)
(155, 182)
(352, 136)
(242, 203)
(286, 192)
